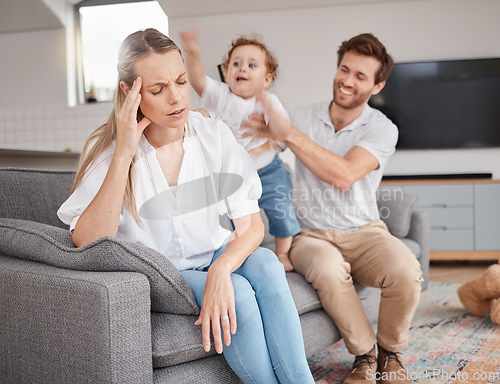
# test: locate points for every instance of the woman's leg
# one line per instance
(247, 355)
(279, 316)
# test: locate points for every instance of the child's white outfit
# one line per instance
(277, 187)
(233, 110)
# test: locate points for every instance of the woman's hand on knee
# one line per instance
(218, 312)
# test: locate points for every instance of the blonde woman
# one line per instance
(142, 177)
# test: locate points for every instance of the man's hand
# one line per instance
(278, 128)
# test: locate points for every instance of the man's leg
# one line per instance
(381, 260)
(315, 257)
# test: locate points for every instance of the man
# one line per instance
(341, 148)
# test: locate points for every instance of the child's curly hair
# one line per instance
(271, 60)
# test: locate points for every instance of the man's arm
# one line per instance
(192, 55)
(341, 172)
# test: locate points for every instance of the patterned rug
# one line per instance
(447, 345)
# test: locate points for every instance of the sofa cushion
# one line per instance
(176, 340)
(35, 195)
(396, 206)
(43, 243)
(305, 297)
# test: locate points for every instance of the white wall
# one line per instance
(54, 128)
(34, 111)
(33, 68)
(306, 42)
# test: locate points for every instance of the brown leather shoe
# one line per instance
(391, 368)
(364, 369)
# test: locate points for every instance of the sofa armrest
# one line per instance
(62, 326)
(395, 208)
(37, 242)
(419, 232)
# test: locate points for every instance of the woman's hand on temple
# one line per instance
(129, 131)
(218, 309)
(102, 216)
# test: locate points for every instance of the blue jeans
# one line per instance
(276, 199)
(268, 346)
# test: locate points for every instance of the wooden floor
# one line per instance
(457, 271)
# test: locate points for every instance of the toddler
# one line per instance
(249, 68)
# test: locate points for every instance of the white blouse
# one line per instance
(181, 222)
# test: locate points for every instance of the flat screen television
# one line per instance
(444, 104)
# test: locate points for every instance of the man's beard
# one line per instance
(354, 101)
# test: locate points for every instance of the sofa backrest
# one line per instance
(33, 194)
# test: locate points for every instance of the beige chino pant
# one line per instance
(330, 260)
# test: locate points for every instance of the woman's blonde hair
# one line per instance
(135, 47)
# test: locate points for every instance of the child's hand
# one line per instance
(189, 41)
(192, 56)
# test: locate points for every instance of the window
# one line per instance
(102, 29)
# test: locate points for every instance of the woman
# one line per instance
(142, 177)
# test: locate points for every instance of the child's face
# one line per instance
(247, 72)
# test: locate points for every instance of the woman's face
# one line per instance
(165, 89)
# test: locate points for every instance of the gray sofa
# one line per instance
(116, 312)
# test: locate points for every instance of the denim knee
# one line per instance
(265, 262)
(264, 271)
(244, 297)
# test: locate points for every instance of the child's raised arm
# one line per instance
(196, 73)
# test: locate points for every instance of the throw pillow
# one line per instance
(395, 207)
(43, 243)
